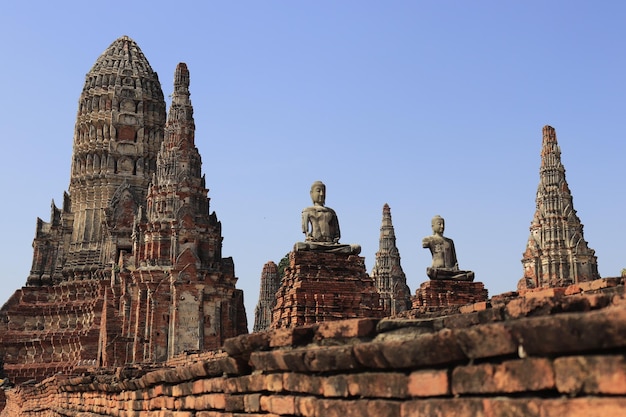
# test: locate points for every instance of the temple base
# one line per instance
(321, 287)
(445, 293)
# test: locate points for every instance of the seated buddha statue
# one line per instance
(321, 226)
(444, 265)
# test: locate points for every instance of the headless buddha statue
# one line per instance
(444, 265)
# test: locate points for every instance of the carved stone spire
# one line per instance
(557, 253)
(387, 272)
(119, 129)
(179, 261)
(118, 132)
(270, 281)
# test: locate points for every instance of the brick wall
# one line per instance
(544, 353)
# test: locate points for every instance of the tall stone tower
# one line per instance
(181, 293)
(270, 281)
(118, 132)
(557, 253)
(387, 273)
(130, 269)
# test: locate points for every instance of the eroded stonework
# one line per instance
(557, 254)
(270, 281)
(130, 269)
(387, 273)
(324, 286)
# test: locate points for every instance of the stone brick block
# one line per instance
(278, 404)
(251, 403)
(234, 402)
(346, 329)
(428, 383)
(486, 341)
(302, 383)
(335, 386)
(292, 336)
(512, 407)
(210, 401)
(343, 408)
(584, 407)
(377, 385)
(571, 332)
(279, 360)
(523, 375)
(305, 406)
(457, 407)
(591, 375)
(426, 350)
(330, 358)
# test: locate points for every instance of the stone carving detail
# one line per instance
(387, 273)
(445, 265)
(270, 281)
(320, 226)
(556, 254)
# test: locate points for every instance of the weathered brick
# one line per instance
(523, 375)
(426, 350)
(428, 383)
(292, 336)
(305, 406)
(584, 407)
(343, 408)
(486, 341)
(591, 374)
(335, 386)
(210, 401)
(243, 384)
(234, 402)
(512, 407)
(302, 383)
(346, 328)
(377, 385)
(457, 407)
(330, 358)
(278, 404)
(279, 360)
(252, 403)
(571, 332)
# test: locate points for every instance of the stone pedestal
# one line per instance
(321, 286)
(445, 293)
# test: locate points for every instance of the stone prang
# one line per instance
(118, 133)
(270, 281)
(557, 254)
(387, 273)
(130, 269)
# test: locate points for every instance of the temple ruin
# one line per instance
(130, 269)
(556, 254)
(387, 272)
(131, 310)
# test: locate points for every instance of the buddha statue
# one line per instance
(444, 265)
(321, 226)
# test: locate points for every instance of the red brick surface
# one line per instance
(561, 357)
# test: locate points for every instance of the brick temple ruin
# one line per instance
(130, 309)
(130, 268)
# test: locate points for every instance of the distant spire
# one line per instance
(270, 281)
(387, 273)
(556, 254)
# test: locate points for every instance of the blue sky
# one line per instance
(434, 107)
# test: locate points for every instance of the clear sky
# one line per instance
(434, 107)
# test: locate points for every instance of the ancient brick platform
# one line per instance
(321, 287)
(445, 293)
(545, 353)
